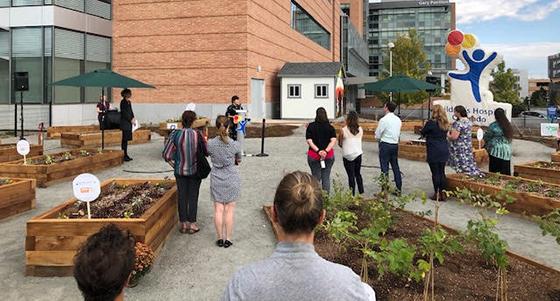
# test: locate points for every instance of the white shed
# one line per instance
(306, 87)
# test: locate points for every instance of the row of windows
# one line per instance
(50, 54)
(309, 27)
(321, 91)
(93, 7)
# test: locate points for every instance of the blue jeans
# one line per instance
(323, 175)
(389, 154)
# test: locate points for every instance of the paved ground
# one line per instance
(192, 268)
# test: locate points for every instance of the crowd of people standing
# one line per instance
(294, 267)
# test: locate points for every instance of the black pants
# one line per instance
(438, 176)
(126, 135)
(187, 190)
(499, 165)
(389, 154)
(354, 176)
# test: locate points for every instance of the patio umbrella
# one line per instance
(102, 78)
(400, 84)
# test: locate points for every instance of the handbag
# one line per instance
(203, 167)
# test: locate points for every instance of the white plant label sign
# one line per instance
(479, 134)
(23, 148)
(549, 129)
(87, 188)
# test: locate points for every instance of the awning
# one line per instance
(360, 80)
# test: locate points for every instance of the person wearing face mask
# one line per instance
(460, 144)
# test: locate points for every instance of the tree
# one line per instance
(409, 59)
(539, 98)
(504, 86)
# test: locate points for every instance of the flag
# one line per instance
(339, 85)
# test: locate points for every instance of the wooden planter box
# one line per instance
(417, 152)
(555, 157)
(8, 152)
(276, 229)
(51, 243)
(45, 174)
(17, 197)
(530, 171)
(525, 202)
(93, 139)
(54, 132)
(165, 128)
(368, 127)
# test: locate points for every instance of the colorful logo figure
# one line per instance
(478, 63)
(241, 123)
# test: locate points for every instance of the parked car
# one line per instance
(532, 114)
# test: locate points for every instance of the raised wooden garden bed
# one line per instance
(531, 197)
(48, 168)
(93, 139)
(53, 237)
(416, 150)
(54, 132)
(8, 152)
(165, 128)
(16, 196)
(555, 157)
(462, 276)
(539, 170)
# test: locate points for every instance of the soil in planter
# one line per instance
(520, 185)
(548, 165)
(61, 157)
(4, 181)
(463, 276)
(120, 201)
(270, 131)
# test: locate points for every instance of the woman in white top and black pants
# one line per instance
(350, 139)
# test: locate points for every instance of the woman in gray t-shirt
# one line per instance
(295, 271)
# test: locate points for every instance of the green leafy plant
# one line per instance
(397, 257)
(49, 160)
(482, 233)
(550, 224)
(67, 156)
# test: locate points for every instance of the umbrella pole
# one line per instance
(103, 121)
(399, 104)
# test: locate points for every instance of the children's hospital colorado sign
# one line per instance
(471, 87)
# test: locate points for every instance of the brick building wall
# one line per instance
(207, 51)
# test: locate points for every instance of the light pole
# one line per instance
(391, 45)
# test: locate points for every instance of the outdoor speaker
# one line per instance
(21, 81)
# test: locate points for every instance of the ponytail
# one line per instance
(222, 124)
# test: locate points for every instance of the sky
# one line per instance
(525, 32)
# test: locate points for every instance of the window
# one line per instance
(306, 25)
(294, 91)
(27, 56)
(98, 56)
(68, 62)
(4, 67)
(322, 91)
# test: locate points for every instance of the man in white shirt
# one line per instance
(388, 132)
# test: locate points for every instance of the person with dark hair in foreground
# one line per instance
(388, 133)
(497, 141)
(103, 264)
(231, 112)
(295, 271)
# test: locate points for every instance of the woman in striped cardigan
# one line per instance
(181, 150)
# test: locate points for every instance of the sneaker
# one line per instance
(227, 244)
(220, 243)
(127, 158)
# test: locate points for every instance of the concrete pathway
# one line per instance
(190, 267)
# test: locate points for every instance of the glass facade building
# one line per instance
(391, 19)
(51, 53)
(304, 23)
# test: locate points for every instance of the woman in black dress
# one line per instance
(127, 119)
(437, 151)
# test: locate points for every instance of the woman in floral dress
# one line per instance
(460, 147)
